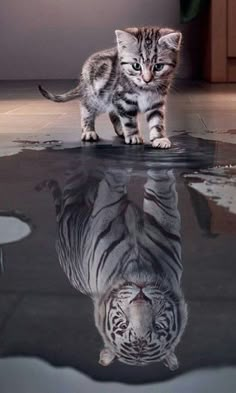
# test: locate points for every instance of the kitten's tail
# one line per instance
(70, 95)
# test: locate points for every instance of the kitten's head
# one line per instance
(148, 55)
(141, 325)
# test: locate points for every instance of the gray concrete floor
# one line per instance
(41, 315)
(28, 120)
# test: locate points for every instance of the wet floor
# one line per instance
(119, 262)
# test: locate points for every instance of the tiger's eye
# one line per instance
(136, 66)
(124, 326)
(158, 67)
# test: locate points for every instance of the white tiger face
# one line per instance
(142, 325)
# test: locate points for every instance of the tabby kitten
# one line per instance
(123, 81)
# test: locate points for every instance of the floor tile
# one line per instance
(18, 123)
(215, 120)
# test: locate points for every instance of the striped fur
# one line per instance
(127, 259)
(123, 81)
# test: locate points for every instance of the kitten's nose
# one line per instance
(147, 76)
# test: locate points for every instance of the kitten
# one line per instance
(123, 81)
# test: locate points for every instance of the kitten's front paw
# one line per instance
(133, 140)
(89, 136)
(161, 143)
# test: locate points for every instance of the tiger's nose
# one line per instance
(141, 298)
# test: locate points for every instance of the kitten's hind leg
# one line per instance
(88, 124)
(116, 124)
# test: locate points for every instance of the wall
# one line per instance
(50, 39)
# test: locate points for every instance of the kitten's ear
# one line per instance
(125, 40)
(171, 361)
(172, 40)
(106, 357)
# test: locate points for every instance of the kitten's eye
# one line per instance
(158, 67)
(123, 326)
(136, 66)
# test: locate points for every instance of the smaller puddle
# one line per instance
(14, 226)
(231, 132)
(12, 229)
(34, 143)
(217, 184)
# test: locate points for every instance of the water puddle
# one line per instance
(128, 275)
(217, 184)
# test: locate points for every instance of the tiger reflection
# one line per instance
(127, 259)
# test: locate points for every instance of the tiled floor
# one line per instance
(50, 323)
(203, 110)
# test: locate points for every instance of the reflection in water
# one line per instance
(127, 259)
